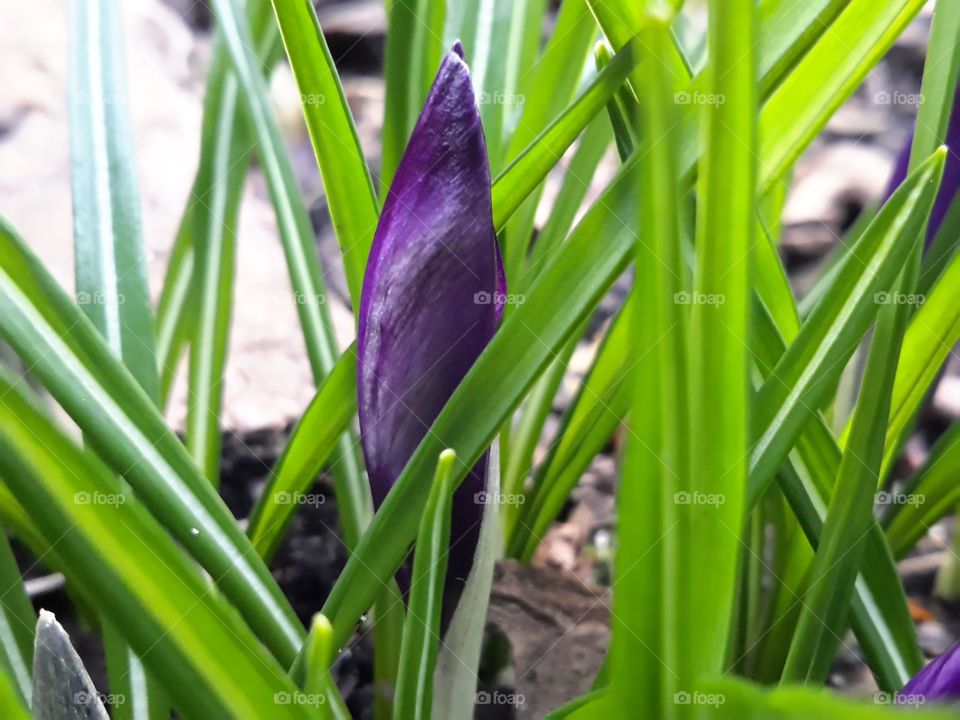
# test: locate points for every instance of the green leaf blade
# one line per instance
(111, 276)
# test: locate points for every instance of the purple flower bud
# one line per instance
(939, 680)
(951, 172)
(432, 295)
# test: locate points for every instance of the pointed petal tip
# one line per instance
(458, 49)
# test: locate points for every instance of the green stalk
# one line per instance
(646, 619)
(709, 536)
(421, 631)
(111, 275)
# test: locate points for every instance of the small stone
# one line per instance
(933, 637)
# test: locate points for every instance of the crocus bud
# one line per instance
(432, 296)
(951, 171)
(939, 680)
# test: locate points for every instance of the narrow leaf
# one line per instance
(62, 689)
(122, 424)
(310, 445)
(458, 663)
(120, 559)
(346, 179)
(110, 267)
(421, 631)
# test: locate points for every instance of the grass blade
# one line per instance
(68, 356)
(122, 560)
(214, 216)
(10, 700)
(458, 664)
(807, 370)
(111, 274)
(529, 168)
(547, 88)
(827, 76)
(311, 444)
(421, 631)
(939, 81)
(849, 517)
(738, 700)
(879, 613)
(173, 322)
(932, 333)
(599, 407)
(346, 180)
(128, 678)
(648, 597)
(414, 47)
(709, 536)
(17, 621)
(500, 38)
(319, 683)
(173, 325)
(942, 249)
(576, 182)
(296, 232)
(930, 494)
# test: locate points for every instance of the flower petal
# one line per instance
(951, 172)
(430, 294)
(939, 680)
